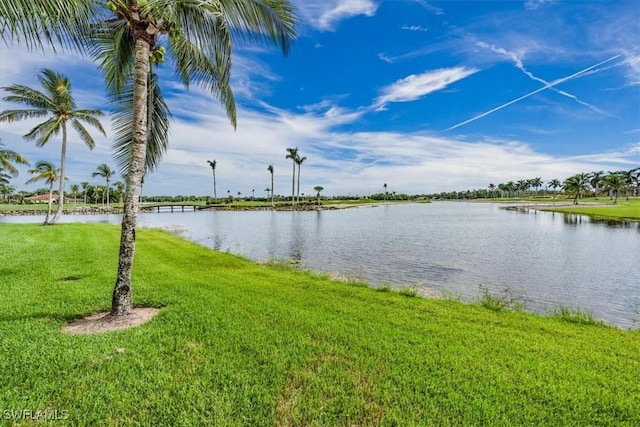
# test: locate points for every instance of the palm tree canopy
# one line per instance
(44, 171)
(212, 164)
(270, 168)
(104, 171)
(299, 160)
(196, 37)
(292, 153)
(55, 102)
(8, 158)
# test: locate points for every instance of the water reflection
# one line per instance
(297, 238)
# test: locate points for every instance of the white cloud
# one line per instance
(324, 15)
(535, 4)
(633, 72)
(416, 86)
(414, 28)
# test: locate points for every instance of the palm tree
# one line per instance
(385, 192)
(299, 160)
(104, 171)
(577, 184)
(120, 187)
(213, 169)
(511, 188)
(628, 176)
(293, 155)
(492, 188)
(45, 171)
(85, 189)
(8, 158)
(614, 183)
(57, 104)
(595, 178)
(98, 194)
(536, 182)
(75, 189)
(522, 185)
(318, 189)
(200, 36)
(554, 183)
(270, 169)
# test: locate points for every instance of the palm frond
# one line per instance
(192, 64)
(17, 115)
(157, 123)
(89, 117)
(39, 23)
(21, 94)
(8, 157)
(113, 47)
(42, 132)
(83, 133)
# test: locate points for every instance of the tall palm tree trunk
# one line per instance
(215, 193)
(298, 192)
(293, 185)
(273, 205)
(63, 157)
(122, 301)
(49, 203)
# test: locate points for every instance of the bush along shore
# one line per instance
(241, 343)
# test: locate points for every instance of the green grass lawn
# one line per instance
(622, 210)
(238, 343)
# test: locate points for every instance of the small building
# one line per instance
(41, 198)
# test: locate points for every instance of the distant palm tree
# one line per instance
(577, 184)
(318, 189)
(85, 189)
(104, 171)
(75, 189)
(299, 160)
(45, 171)
(385, 191)
(98, 194)
(492, 188)
(270, 169)
(511, 188)
(536, 182)
(8, 158)
(56, 103)
(595, 179)
(614, 183)
(629, 178)
(522, 185)
(555, 183)
(120, 187)
(293, 155)
(213, 169)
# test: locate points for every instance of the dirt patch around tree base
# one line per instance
(105, 322)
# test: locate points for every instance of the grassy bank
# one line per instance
(605, 209)
(239, 343)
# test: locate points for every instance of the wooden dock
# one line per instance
(171, 208)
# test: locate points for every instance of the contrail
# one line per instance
(545, 87)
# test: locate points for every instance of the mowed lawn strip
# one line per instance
(623, 209)
(238, 343)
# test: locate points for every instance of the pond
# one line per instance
(546, 260)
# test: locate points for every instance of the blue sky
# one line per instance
(426, 96)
